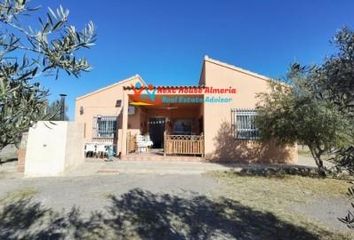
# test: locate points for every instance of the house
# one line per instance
(213, 119)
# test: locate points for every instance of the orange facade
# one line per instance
(214, 108)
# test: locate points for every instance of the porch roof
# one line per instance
(166, 87)
(190, 101)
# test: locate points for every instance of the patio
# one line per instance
(158, 155)
(175, 130)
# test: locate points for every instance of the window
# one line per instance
(106, 126)
(243, 122)
(118, 103)
(182, 127)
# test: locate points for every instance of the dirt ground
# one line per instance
(170, 201)
(315, 204)
(215, 205)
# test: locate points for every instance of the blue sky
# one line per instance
(165, 41)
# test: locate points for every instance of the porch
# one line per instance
(158, 156)
(175, 130)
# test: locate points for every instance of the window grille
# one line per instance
(106, 126)
(244, 124)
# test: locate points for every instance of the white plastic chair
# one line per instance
(142, 143)
(101, 150)
(148, 141)
(90, 149)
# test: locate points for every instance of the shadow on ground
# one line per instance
(141, 214)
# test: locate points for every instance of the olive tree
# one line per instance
(336, 85)
(335, 77)
(28, 53)
(290, 115)
(315, 107)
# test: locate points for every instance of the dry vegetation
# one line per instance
(278, 195)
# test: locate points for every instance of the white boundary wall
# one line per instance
(54, 147)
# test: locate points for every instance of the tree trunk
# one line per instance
(321, 168)
(319, 162)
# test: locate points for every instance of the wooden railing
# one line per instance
(184, 144)
(131, 142)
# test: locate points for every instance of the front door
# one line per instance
(156, 131)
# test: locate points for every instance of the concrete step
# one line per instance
(161, 158)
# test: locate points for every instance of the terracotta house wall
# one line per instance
(135, 119)
(219, 142)
(103, 102)
(216, 124)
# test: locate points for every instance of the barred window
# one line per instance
(243, 123)
(106, 126)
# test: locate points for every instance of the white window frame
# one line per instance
(243, 124)
(110, 126)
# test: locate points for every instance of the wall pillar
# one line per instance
(21, 153)
(124, 123)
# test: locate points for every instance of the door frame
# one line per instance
(162, 132)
